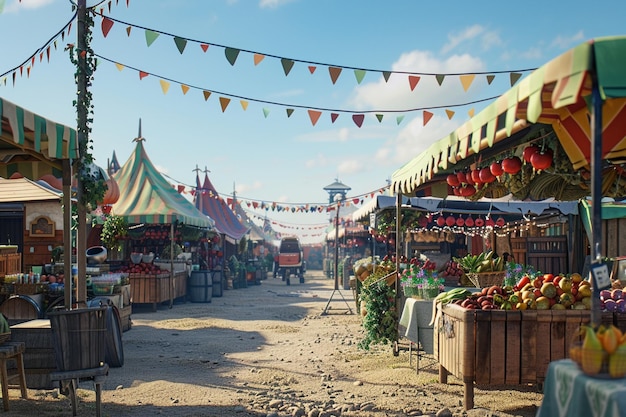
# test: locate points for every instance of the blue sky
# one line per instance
(262, 153)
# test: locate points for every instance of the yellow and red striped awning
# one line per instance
(556, 94)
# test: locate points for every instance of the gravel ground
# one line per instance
(267, 351)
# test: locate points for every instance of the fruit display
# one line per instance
(601, 352)
(542, 292)
(613, 300)
(452, 269)
(143, 268)
(483, 262)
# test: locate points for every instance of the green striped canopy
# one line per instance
(147, 197)
(556, 94)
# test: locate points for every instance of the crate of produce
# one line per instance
(499, 347)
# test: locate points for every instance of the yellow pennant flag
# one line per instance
(119, 66)
(244, 104)
(164, 86)
(467, 80)
(185, 88)
(450, 114)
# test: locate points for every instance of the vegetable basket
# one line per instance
(486, 279)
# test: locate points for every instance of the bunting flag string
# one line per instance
(334, 71)
(314, 113)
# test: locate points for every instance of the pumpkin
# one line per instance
(112, 193)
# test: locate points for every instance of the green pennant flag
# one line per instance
(399, 119)
(181, 43)
(289, 112)
(266, 112)
(515, 76)
(379, 117)
(440, 78)
(359, 74)
(151, 36)
(386, 75)
(231, 55)
(287, 65)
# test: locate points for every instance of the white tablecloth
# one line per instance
(416, 316)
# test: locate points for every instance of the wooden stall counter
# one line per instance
(157, 288)
(498, 347)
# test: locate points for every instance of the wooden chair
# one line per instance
(69, 384)
(12, 351)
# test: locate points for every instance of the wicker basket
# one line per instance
(486, 279)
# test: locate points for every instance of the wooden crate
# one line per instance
(156, 289)
(13, 264)
(497, 347)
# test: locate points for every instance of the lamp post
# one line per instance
(337, 193)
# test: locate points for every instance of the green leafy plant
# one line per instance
(113, 229)
(380, 321)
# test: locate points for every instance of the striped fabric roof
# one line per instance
(147, 197)
(556, 94)
(209, 202)
(24, 190)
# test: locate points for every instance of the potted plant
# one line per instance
(114, 230)
(378, 300)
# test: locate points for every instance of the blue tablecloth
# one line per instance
(569, 392)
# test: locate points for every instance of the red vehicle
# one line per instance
(290, 259)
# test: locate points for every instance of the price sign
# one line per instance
(373, 220)
(601, 276)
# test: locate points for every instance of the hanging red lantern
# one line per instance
(468, 191)
(456, 191)
(479, 222)
(486, 176)
(441, 221)
(461, 177)
(468, 178)
(423, 221)
(496, 168)
(512, 165)
(450, 221)
(489, 222)
(529, 151)
(476, 176)
(460, 222)
(469, 222)
(541, 160)
(500, 222)
(453, 180)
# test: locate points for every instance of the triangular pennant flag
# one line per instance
(355, 201)
(399, 119)
(143, 75)
(181, 43)
(151, 36)
(467, 80)
(427, 116)
(413, 80)
(28, 72)
(515, 76)
(333, 117)
(359, 74)
(258, 58)
(471, 112)
(358, 119)
(244, 104)
(106, 25)
(289, 112)
(204, 47)
(490, 79)
(312, 68)
(48, 53)
(266, 112)
(287, 65)
(181, 188)
(206, 95)
(185, 88)
(128, 30)
(119, 66)
(165, 86)
(386, 75)
(379, 117)
(231, 55)
(334, 72)
(440, 78)
(314, 115)
(450, 114)
(224, 102)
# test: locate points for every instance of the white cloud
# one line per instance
(244, 189)
(563, 42)
(349, 166)
(15, 6)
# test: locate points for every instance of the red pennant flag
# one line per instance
(181, 188)
(333, 117)
(334, 72)
(427, 116)
(142, 75)
(355, 200)
(255, 204)
(107, 24)
(314, 115)
(358, 119)
(413, 80)
(204, 46)
(312, 68)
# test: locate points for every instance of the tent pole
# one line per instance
(172, 285)
(67, 227)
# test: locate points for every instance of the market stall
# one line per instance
(156, 213)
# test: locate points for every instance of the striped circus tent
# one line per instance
(147, 197)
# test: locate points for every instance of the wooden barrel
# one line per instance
(79, 338)
(21, 308)
(217, 278)
(200, 287)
